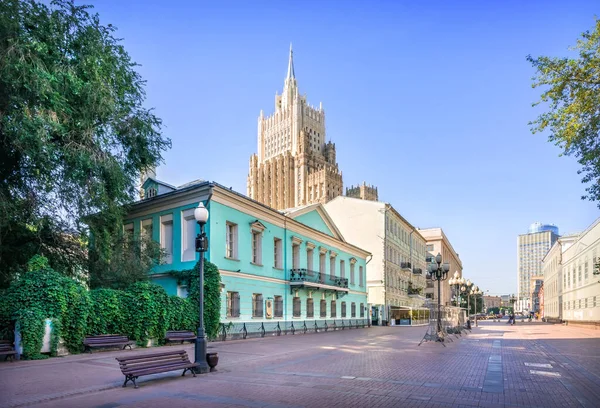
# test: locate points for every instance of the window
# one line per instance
(278, 306)
(323, 309)
(333, 312)
(351, 272)
(585, 273)
(233, 304)
(322, 265)
(277, 253)
(579, 274)
(128, 229)
(429, 247)
(257, 305)
(296, 256)
(362, 310)
(353, 309)
(297, 307)
(166, 237)
(309, 260)
(188, 235)
(343, 309)
(231, 240)
(342, 269)
(146, 232)
(310, 308)
(332, 266)
(361, 278)
(257, 247)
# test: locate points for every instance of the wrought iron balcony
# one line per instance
(308, 276)
(417, 271)
(405, 265)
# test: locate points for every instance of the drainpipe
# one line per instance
(285, 270)
(207, 257)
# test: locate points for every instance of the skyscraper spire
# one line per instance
(291, 74)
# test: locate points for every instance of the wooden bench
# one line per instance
(7, 350)
(145, 364)
(180, 335)
(106, 340)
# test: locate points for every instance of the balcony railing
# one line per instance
(405, 265)
(417, 271)
(306, 275)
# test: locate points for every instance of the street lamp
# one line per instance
(455, 282)
(438, 271)
(201, 216)
(475, 291)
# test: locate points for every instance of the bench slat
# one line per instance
(147, 366)
(163, 360)
(162, 370)
(154, 355)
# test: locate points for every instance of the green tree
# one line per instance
(130, 260)
(74, 134)
(572, 92)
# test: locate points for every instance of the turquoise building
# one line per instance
(275, 266)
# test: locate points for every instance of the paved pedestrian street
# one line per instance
(496, 365)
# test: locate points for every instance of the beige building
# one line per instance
(552, 272)
(363, 192)
(396, 272)
(491, 301)
(294, 165)
(437, 242)
(581, 276)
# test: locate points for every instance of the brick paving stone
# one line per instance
(377, 367)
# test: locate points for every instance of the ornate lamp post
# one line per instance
(201, 216)
(475, 291)
(455, 282)
(438, 271)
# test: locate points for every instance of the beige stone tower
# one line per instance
(294, 165)
(363, 192)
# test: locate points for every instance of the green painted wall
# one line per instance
(313, 219)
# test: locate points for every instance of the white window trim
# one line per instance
(234, 240)
(165, 220)
(187, 215)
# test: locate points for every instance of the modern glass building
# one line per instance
(531, 249)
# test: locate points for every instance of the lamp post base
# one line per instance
(200, 357)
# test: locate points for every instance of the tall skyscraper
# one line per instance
(531, 249)
(294, 165)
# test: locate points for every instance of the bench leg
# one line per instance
(185, 370)
(130, 378)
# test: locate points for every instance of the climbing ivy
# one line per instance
(107, 312)
(147, 311)
(42, 293)
(143, 311)
(212, 294)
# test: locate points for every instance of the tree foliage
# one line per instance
(572, 93)
(74, 133)
(128, 260)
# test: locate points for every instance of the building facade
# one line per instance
(295, 165)
(438, 242)
(553, 278)
(274, 267)
(491, 302)
(531, 249)
(396, 271)
(581, 277)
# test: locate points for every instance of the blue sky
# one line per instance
(427, 100)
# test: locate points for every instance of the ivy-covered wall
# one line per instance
(144, 311)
